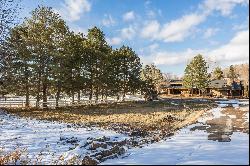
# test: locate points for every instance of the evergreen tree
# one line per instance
(152, 77)
(21, 65)
(42, 57)
(129, 71)
(113, 70)
(46, 30)
(232, 75)
(188, 79)
(74, 65)
(97, 51)
(218, 73)
(196, 75)
(6, 70)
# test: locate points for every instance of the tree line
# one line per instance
(196, 75)
(42, 57)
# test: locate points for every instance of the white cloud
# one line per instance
(78, 29)
(174, 31)
(154, 46)
(108, 21)
(114, 41)
(129, 16)
(242, 26)
(151, 29)
(225, 7)
(174, 58)
(73, 9)
(210, 32)
(147, 3)
(179, 29)
(234, 52)
(128, 33)
(214, 42)
(151, 13)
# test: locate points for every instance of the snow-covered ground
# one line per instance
(52, 139)
(212, 140)
(219, 137)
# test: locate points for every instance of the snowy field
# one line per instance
(202, 143)
(51, 139)
(219, 137)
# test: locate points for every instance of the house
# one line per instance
(174, 87)
(219, 88)
(216, 88)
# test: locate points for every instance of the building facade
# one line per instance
(216, 88)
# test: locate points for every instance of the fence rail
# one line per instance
(52, 104)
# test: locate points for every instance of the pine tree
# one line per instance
(7, 80)
(21, 64)
(152, 78)
(42, 57)
(97, 51)
(113, 69)
(45, 31)
(218, 73)
(124, 72)
(188, 79)
(196, 75)
(232, 74)
(74, 65)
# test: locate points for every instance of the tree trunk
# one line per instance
(102, 95)
(45, 95)
(73, 97)
(27, 95)
(59, 87)
(97, 94)
(79, 96)
(123, 96)
(38, 90)
(91, 92)
(124, 92)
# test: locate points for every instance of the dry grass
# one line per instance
(125, 117)
(11, 157)
(151, 121)
(21, 157)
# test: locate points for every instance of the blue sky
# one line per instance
(165, 32)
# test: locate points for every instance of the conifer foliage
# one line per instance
(42, 58)
(196, 75)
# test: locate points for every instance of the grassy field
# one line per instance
(143, 122)
(154, 120)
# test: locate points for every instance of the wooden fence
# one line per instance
(51, 104)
